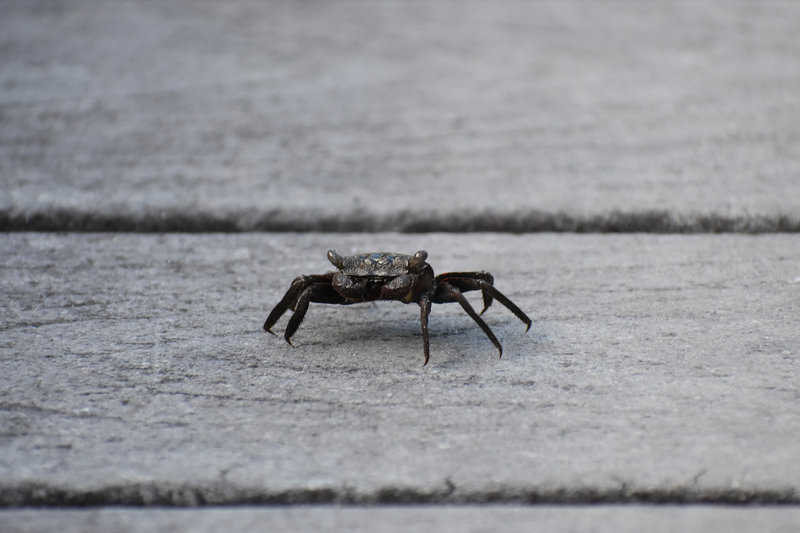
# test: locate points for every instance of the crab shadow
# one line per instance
(382, 329)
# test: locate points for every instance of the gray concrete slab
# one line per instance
(397, 116)
(133, 370)
(472, 519)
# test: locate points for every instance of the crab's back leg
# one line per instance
(447, 293)
(464, 283)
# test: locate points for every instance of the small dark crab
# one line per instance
(390, 276)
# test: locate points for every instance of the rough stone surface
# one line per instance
(483, 519)
(450, 115)
(659, 368)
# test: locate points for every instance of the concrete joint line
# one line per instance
(224, 494)
(406, 221)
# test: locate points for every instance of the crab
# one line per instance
(390, 276)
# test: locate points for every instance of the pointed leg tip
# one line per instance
(529, 327)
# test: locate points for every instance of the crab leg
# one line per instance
(465, 281)
(470, 281)
(425, 310)
(506, 302)
(302, 291)
(456, 295)
(289, 299)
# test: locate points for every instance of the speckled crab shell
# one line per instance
(375, 264)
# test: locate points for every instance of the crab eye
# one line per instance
(335, 259)
(416, 262)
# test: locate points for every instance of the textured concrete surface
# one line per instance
(659, 368)
(483, 519)
(386, 116)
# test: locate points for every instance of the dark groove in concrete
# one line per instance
(404, 221)
(35, 495)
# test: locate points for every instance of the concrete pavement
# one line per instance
(383, 116)
(384, 519)
(659, 368)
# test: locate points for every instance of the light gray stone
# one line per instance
(659, 368)
(473, 519)
(134, 369)
(386, 116)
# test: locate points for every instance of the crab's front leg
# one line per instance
(351, 289)
(401, 288)
(424, 311)
(289, 300)
(303, 290)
